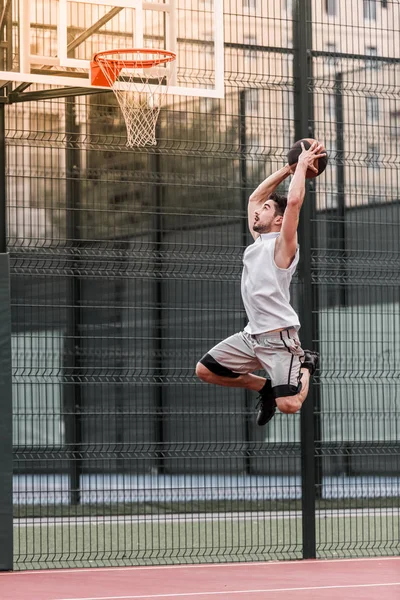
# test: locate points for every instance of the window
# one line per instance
(330, 7)
(207, 60)
(288, 111)
(395, 126)
(288, 6)
(371, 51)
(372, 108)
(253, 142)
(252, 102)
(330, 106)
(249, 5)
(370, 10)
(250, 54)
(372, 156)
(331, 200)
(331, 49)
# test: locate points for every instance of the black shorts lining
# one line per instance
(280, 391)
(215, 367)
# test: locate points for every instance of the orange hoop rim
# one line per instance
(163, 57)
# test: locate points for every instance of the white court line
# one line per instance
(228, 593)
(235, 565)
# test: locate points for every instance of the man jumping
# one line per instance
(270, 340)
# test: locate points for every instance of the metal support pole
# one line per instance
(248, 396)
(119, 294)
(6, 448)
(340, 183)
(158, 332)
(303, 104)
(73, 391)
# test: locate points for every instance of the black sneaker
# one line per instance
(311, 360)
(266, 409)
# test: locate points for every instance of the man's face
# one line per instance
(265, 219)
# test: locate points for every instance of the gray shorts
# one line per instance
(279, 354)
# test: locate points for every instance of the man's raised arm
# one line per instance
(263, 192)
(286, 245)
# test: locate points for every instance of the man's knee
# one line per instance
(208, 369)
(289, 404)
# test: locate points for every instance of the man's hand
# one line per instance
(309, 158)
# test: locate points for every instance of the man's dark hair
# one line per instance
(280, 201)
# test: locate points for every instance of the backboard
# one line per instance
(51, 42)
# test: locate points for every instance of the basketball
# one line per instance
(295, 152)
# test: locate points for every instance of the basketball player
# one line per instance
(270, 340)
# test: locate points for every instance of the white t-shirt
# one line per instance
(265, 287)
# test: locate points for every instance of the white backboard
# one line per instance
(53, 41)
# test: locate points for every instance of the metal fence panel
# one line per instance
(125, 270)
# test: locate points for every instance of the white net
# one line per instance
(140, 90)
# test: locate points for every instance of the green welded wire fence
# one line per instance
(125, 270)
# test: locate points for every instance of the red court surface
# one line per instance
(367, 579)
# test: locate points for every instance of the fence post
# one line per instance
(248, 396)
(303, 107)
(6, 449)
(72, 388)
(340, 185)
(158, 239)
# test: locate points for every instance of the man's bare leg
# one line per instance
(266, 404)
(286, 404)
(249, 381)
(291, 404)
